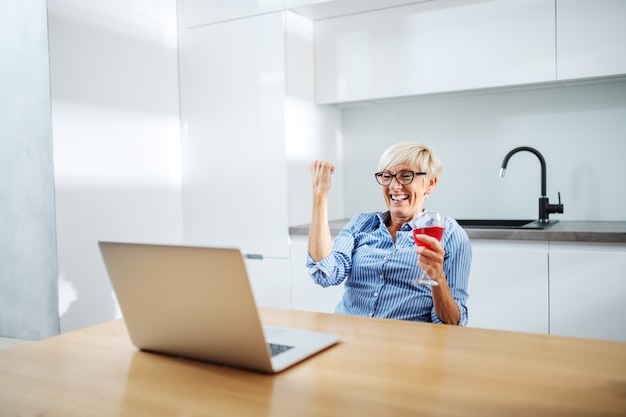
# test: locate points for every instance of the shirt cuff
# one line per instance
(324, 267)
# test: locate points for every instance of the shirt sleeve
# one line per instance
(334, 268)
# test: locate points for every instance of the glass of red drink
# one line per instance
(432, 224)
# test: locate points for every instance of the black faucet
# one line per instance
(545, 208)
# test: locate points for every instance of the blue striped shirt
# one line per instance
(378, 273)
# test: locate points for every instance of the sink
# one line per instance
(503, 224)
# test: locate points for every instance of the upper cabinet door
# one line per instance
(447, 45)
(201, 12)
(232, 110)
(591, 38)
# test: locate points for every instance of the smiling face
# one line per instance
(403, 201)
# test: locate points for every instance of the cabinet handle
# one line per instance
(254, 256)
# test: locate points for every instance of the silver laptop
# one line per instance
(197, 303)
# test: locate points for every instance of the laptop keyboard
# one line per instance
(275, 348)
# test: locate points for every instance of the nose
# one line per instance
(397, 185)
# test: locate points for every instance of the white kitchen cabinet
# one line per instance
(232, 111)
(202, 12)
(270, 282)
(508, 286)
(588, 290)
(445, 45)
(242, 113)
(305, 294)
(324, 9)
(591, 38)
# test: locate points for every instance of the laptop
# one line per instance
(197, 303)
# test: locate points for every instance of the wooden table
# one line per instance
(380, 368)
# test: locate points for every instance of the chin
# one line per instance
(399, 211)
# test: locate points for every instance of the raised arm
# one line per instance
(320, 241)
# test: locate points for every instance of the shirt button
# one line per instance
(371, 314)
(375, 294)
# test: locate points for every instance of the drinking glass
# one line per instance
(429, 223)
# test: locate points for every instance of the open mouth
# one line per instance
(399, 197)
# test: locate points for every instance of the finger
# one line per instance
(320, 168)
(431, 243)
(325, 165)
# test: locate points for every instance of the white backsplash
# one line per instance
(579, 128)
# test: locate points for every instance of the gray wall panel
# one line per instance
(28, 261)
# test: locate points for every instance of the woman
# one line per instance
(375, 253)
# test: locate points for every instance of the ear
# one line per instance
(432, 184)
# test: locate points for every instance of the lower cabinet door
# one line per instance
(588, 290)
(508, 286)
(306, 295)
(270, 281)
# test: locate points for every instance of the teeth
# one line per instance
(399, 197)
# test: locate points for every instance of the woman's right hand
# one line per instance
(320, 174)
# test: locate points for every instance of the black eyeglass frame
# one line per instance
(379, 176)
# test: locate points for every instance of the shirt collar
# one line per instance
(385, 218)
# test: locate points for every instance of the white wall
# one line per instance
(116, 137)
(579, 129)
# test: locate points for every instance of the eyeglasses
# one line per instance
(403, 177)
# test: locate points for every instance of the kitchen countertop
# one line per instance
(564, 231)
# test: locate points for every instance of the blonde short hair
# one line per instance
(412, 153)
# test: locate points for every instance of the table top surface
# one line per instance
(380, 367)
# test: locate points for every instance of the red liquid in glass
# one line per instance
(436, 232)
